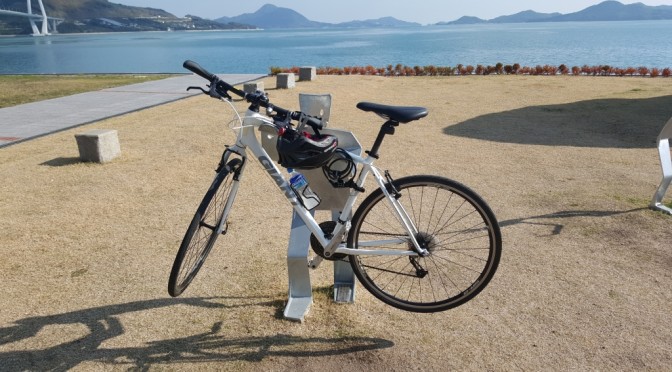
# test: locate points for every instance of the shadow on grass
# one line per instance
(557, 227)
(601, 123)
(103, 324)
(61, 162)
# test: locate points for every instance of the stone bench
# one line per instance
(98, 145)
(285, 80)
(307, 73)
(253, 87)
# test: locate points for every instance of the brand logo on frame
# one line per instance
(268, 166)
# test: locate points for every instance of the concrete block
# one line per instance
(253, 87)
(285, 81)
(308, 73)
(98, 145)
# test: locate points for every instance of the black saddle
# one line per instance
(400, 114)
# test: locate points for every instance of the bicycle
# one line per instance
(420, 243)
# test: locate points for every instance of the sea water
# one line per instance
(619, 44)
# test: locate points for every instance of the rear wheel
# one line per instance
(201, 234)
(454, 224)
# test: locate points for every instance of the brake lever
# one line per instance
(198, 88)
(212, 93)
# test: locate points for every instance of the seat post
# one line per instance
(387, 128)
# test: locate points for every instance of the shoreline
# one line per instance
(130, 32)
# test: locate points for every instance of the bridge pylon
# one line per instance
(45, 20)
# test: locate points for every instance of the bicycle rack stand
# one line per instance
(666, 163)
(298, 250)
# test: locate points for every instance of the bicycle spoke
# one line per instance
(200, 237)
(457, 231)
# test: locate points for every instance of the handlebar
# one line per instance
(219, 88)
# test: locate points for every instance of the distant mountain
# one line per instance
(380, 22)
(605, 11)
(270, 16)
(525, 16)
(86, 9)
(103, 16)
(464, 20)
(616, 11)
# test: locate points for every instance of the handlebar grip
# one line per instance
(212, 78)
(198, 70)
(315, 123)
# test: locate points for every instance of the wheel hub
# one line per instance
(425, 240)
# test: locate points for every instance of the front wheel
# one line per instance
(453, 223)
(202, 233)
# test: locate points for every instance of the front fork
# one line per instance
(237, 175)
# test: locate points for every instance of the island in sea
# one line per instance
(81, 16)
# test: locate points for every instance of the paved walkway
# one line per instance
(31, 120)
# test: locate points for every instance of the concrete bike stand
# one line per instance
(298, 250)
(666, 163)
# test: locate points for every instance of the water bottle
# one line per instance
(300, 186)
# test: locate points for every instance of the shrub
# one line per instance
(431, 70)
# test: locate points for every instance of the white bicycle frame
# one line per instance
(247, 139)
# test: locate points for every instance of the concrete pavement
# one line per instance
(32, 120)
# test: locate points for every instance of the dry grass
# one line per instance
(19, 89)
(568, 165)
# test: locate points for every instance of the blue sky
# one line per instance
(423, 11)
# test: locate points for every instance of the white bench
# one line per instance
(666, 163)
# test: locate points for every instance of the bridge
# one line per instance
(36, 17)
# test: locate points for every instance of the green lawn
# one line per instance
(19, 89)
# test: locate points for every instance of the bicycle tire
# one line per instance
(200, 236)
(458, 228)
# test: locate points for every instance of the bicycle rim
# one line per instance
(454, 224)
(201, 234)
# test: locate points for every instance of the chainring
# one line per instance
(327, 228)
